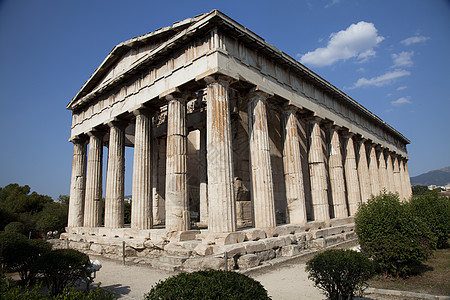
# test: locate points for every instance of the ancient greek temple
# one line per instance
(234, 142)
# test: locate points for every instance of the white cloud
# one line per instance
(380, 80)
(401, 88)
(414, 40)
(403, 59)
(401, 101)
(333, 2)
(357, 41)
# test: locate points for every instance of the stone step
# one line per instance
(173, 260)
(165, 266)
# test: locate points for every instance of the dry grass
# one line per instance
(432, 277)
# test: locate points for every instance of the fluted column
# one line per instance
(93, 201)
(402, 178)
(318, 173)
(203, 177)
(351, 175)
(177, 205)
(115, 176)
(408, 190)
(261, 167)
(382, 171)
(336, 171)
(141, 205)
(397, 180)
(363, 172)
(373, 170)
(390, 172)
(77, 185)
(293, 174)
(221, 198)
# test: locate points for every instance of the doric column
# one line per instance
(93, 201)
(401, 168)
(336, 172)
(221, 198)
(261, 167)
(293, 174)
(382, 171)
(203, 177)
(77, 185)
(390, 172)
(363, 171)
(115, 176)
(318, 173)
(177, 205)
(408, 190)
(351, 175)
(373, 170)
(397, 179)
(141, 205)
(158, 166)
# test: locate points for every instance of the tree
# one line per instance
(389, 233)
(340, 273)
(62, 267)
(419, 189)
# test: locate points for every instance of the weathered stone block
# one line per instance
(291, 250)
(248, 261)
(350, 235)
(204, 263)
(265, 255)
(255, 246)
(96, 248)
(204, 249)
(335, 239)
(254, 234)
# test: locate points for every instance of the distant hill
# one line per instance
(437, 177)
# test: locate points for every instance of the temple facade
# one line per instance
(230, 135)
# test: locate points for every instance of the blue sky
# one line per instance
(391, 56)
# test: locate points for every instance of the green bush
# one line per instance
(340, 273)
(15, 227)
(21, 255)
(63, 267)
(435, 211)
(391, 235)
(210, 284)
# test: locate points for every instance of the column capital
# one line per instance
(347, 133)
(289, 107)
(116, 122)
(314, 119)
(96, 132)
(78, 139)
(224, 79)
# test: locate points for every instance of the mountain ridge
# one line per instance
(438, 177)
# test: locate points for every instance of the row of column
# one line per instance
(339, 174)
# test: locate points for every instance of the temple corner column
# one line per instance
(78, 183)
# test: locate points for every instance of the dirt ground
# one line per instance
(134, 281)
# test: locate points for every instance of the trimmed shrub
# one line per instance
(340, 273)
(20, 256)
(391, 235)
(435, 211)
(63, 267)
(210, 284)
(17, 227)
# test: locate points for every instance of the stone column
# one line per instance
(203, 177)
(93, 201)
(221, 198)
(158, 166)
(177, 202)
(401, 168)
(77, 185)
(390, 172)
(373, 170)
(261, 168)
(382, 171)
(318, 173)
(397, 180)
(115, 176)
(141, 205)
(293, 173)
(408, 190)
(351, 175)
(336, 172)
(363, 172)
